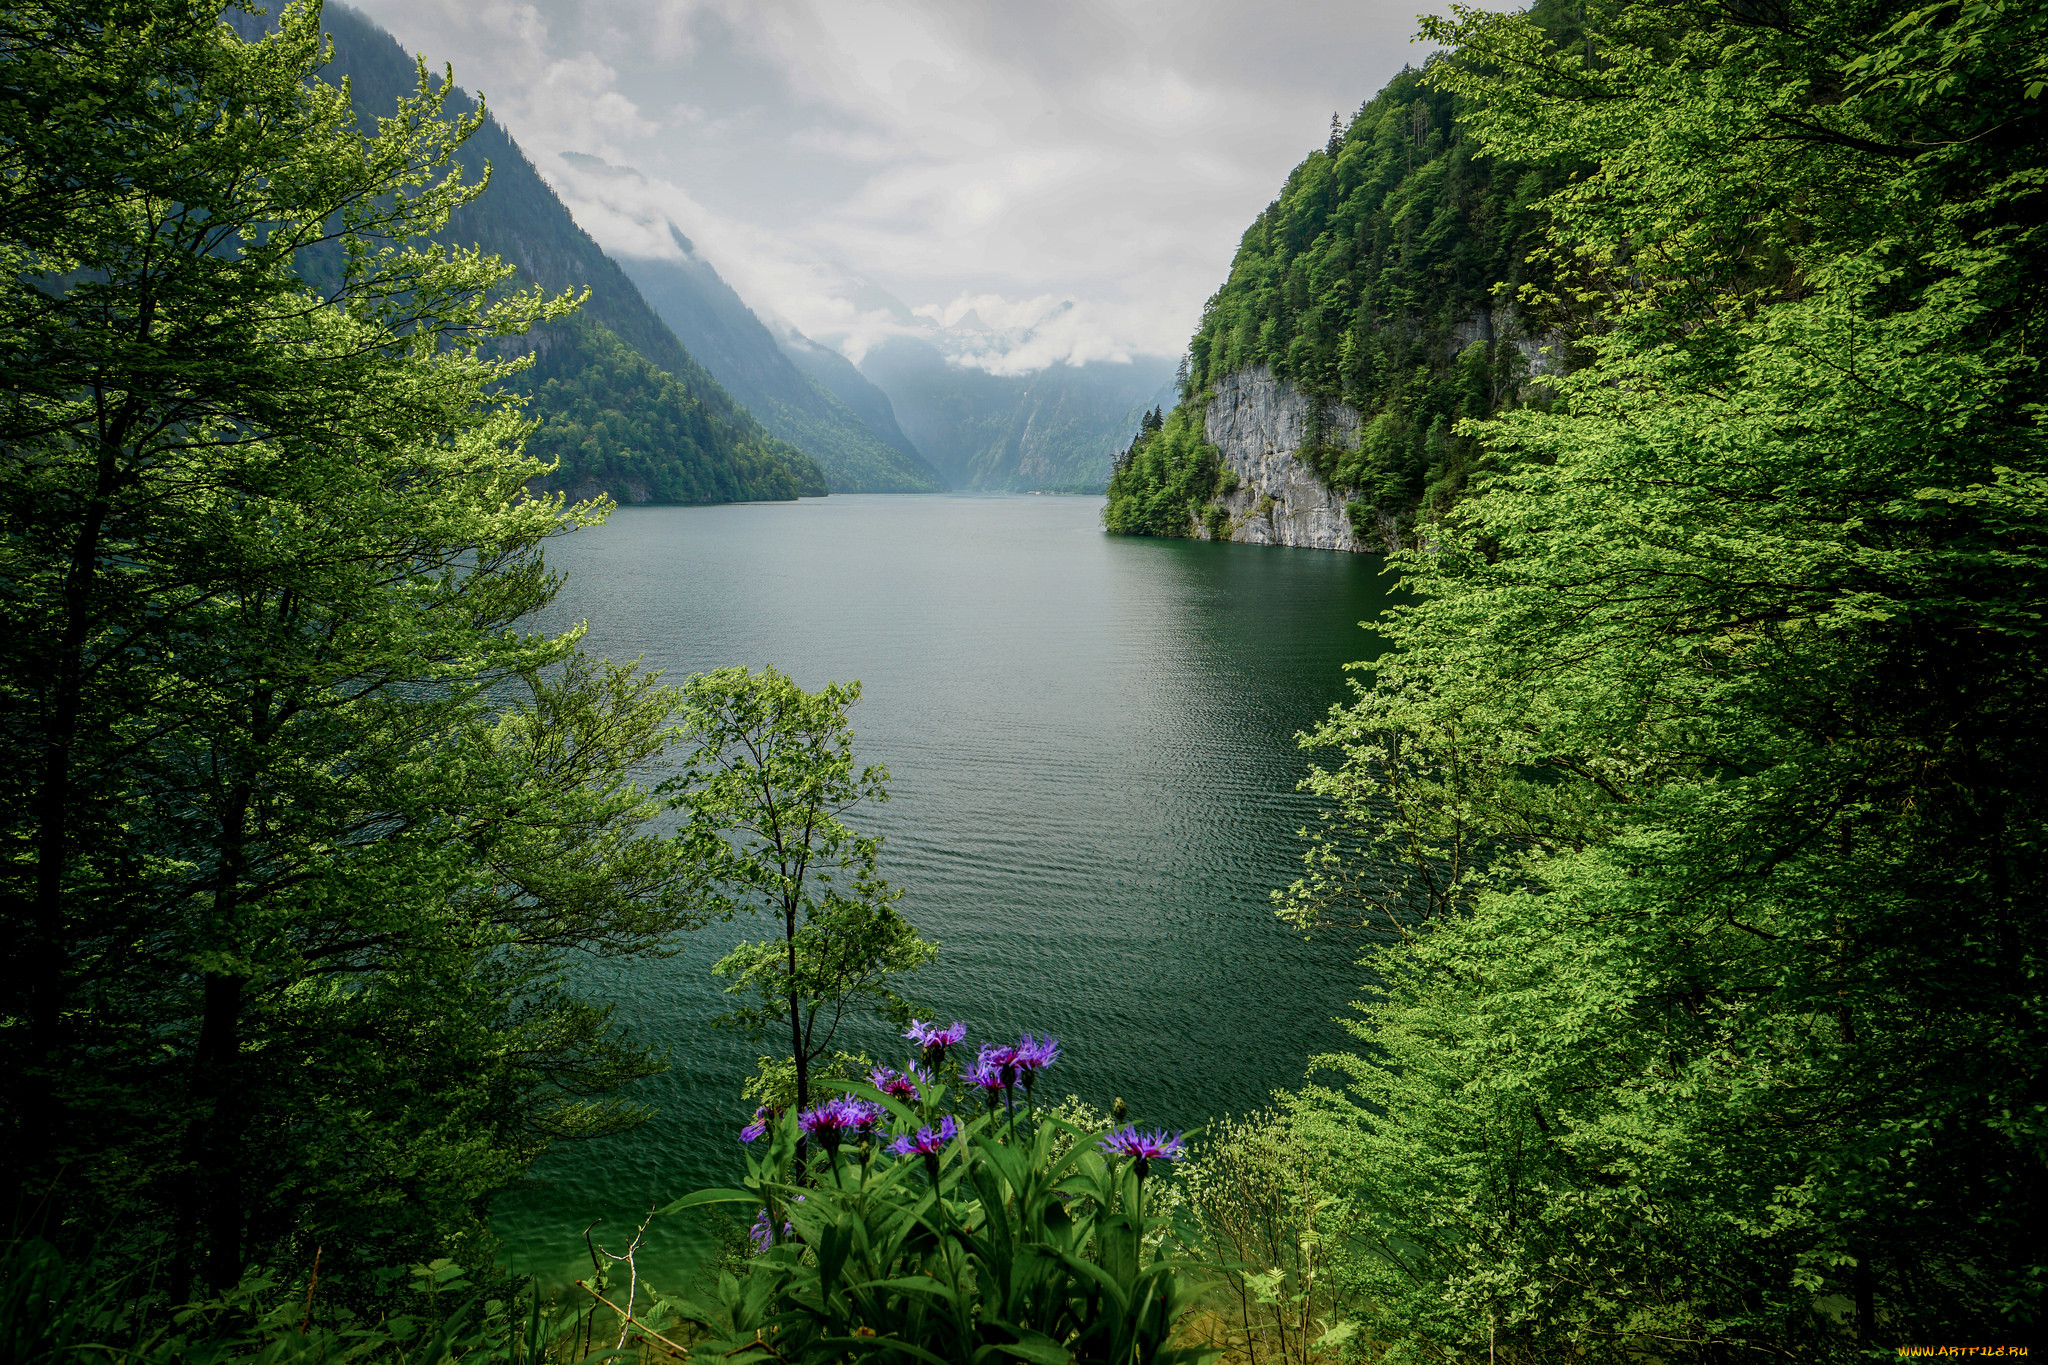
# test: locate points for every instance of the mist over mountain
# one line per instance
(1059, 427)
(625, 408)
(938, 401)
(856, 455)
(843, 380)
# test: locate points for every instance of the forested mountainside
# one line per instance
(726, 456)
(839, 377)
(1052, 429)
(638, 432)
(1371, 288)
(712, 320)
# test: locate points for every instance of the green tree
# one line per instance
(300, 827)
(609, 418)
(1369, 281)
(1702, 794)
(1169, 471)
(771, 776)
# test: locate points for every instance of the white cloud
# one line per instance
(1079, 169)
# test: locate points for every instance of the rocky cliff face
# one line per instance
(1259, 424)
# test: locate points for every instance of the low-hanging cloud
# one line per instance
(1073, 174)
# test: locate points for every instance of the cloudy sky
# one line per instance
(1072, 174)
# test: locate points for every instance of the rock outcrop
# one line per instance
(1259, 425)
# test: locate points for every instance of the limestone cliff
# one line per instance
(1367, 316)
(1258, 425)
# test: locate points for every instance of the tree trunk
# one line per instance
(210, 1215)
(220, 1166)
(213, 1182)
(796, 1018)
(44, 957)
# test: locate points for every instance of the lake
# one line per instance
(1091, 746)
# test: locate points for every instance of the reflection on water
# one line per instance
(1091, 746)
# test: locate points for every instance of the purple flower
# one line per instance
(1145, 1147)
(927, 1142)
(763, 1235)
(1035, 1055)
(901, 1085)
(931, 1035)
(763, 1232)
(935, 1040)
(1002, 1061)
(833, 1121)
(986, 1075)
(764, 1119)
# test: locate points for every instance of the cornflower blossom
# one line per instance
(935, 1040)
(926, 1142)
(834, 1120)
(763, 1233)
(900, 1085)
(764, 1118)
(1001, 1060)
(988, 1079)
(1144, 1147)
(1033, 1056)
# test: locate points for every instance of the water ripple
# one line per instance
(1091, 747)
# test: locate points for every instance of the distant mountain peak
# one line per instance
(852, 435)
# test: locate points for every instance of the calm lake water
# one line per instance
(1090, 741)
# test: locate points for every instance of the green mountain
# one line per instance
(617, 423)
(658, 428)
(1371, 285)
(720, 330)
(839, 377)
(1056, 428)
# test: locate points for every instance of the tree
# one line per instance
(1365, 282)
(1704, 786)
(772, 774)
(300, 825)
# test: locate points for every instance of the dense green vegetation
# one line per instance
(301, 824)
(1700, 802)
(723, 333)
(991, 1228)
(1693, 823)
(1167, 472)
(1384, 278)
(629, 434)
(618, 425)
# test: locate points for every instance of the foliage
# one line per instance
(650, 424)
(773, 1084)
(53, 1312)
(611, 420)
(1256, 1189)
(1710, 757)
(1168, 472)
(764, 790)
(1373, 281)
(1016, 1239)
(300, 826)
